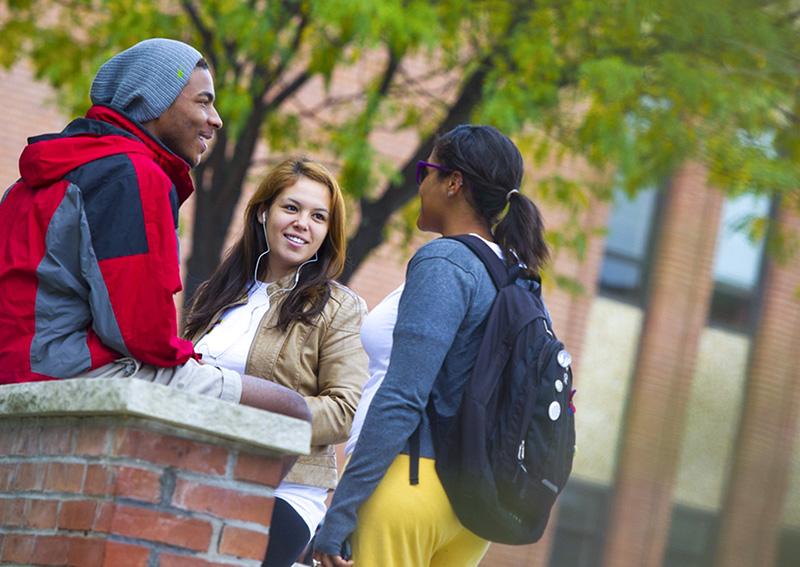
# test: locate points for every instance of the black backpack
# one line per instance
(506, 454)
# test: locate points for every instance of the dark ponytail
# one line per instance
(522, 230)
(491, 167)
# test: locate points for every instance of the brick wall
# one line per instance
(679, 296)
(123, 490)
(760, 476)
(30, 111)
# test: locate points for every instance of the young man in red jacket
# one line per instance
(88, 235)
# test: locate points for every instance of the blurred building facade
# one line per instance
(687, 349)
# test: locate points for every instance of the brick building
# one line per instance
(686, 370)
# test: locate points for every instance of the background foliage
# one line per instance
(634, 87)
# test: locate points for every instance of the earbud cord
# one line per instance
(255, 272)
(296, 276)
(297, 273)
(269, 296)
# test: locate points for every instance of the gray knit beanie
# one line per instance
(144, 80)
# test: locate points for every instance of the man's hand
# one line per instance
(325, 560)
(263, 394)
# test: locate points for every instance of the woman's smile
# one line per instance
(297, 225)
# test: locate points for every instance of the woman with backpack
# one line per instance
(469, 185)
(273, 310)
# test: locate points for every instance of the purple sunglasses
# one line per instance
(422, 169)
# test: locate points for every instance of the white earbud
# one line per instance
(263, 219)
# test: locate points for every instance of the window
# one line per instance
(582, 512)
(737, 265)
(692, 536)
(789, 548)
(623, 273)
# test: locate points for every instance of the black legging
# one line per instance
(288, 536)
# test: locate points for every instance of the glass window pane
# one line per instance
(620, 275)
(629, 223)
(731, 307)
(691, 537)
(737, 264)
(789, 548)
(627, 245)
(738, 259)
(581, 521)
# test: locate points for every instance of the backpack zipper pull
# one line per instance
(521, 467)
(521, 458)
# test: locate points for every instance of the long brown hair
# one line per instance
(233, 277)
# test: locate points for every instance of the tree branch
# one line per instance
(295, 46)
(790, 18)
(790, 116)
(206, 37)
(262, 76)
(288, 90)
(416, 88)
(375, 213)
(392, 66)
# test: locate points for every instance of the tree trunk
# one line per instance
(212, 217)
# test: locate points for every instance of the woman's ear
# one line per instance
(455, 184)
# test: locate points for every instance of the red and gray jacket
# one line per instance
(89, 252)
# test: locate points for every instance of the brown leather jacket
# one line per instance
(324, 362)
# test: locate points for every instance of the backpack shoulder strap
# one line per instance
(500, 277)
(494, 265)
(413, 457)
(503, 275)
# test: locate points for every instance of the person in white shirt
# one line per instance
(273, 310)
(376, 337)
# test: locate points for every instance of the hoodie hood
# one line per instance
(102, 133)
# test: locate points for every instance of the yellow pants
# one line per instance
(413, 526)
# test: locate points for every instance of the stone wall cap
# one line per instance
(137, 398)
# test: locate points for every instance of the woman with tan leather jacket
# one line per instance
(272, 309)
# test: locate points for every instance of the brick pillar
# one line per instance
(753, 504)
(159, 477)
(570, 314)
(679, 295)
